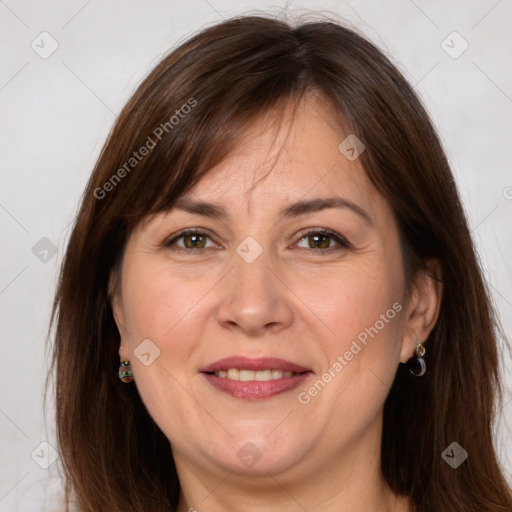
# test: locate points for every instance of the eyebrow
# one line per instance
(217, 211)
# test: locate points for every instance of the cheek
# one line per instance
(363, 305)
(360, 356)
(164, 309)
(153, 295)
(363, 310)
(356, 302)
(161, 307)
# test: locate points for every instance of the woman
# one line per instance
(270, 299)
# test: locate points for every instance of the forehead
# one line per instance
(285, 155)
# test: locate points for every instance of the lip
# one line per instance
(255, 390)
(254, 364)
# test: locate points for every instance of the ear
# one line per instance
(422, 310)
(114, 294)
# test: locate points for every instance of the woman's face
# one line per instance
(305, 269)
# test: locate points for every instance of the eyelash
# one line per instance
(343, 243)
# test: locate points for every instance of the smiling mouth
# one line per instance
(251, 375)
(250, 378)
(255, 385)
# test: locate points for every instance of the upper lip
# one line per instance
(255, 364)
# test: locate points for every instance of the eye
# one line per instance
(322, 239)
(191, 239)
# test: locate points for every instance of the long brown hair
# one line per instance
(188, 114)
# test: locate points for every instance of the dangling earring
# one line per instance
(416, 364)
(125, 372)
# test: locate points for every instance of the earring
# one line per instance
(416, 364)
(125, 372)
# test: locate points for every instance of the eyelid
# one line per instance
(338, 238)
(186, 231)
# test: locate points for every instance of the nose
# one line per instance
(255, 299)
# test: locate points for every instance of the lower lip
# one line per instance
(253, 389)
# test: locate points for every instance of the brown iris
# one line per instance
(319, 241)
(194, 240)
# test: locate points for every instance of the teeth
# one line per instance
(263, 375)
(247, 375)
(234, 374)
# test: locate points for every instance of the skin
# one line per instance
(295, 301)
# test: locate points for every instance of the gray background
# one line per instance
(57, 111)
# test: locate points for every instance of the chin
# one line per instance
(258, 454)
